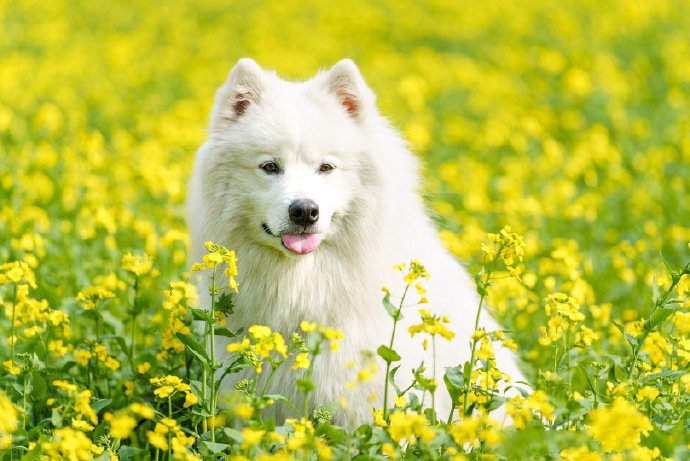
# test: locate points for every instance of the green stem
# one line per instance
(659, 302)
(212, 328)
(134, 316)
(268, 381)
(169, 416)
(473, 354)
(566, 351)
(433, 390)
(396, 318)
(14, 328)
(308, 377)
(24, 406)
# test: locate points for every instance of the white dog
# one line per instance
(317, 194)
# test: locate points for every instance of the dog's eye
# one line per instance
(270, 167)
(326, 168)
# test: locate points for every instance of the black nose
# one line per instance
(303, 212)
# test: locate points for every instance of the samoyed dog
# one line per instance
(318, 196)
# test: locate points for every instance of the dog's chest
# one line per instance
(330, 293)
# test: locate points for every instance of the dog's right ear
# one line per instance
(242, 89)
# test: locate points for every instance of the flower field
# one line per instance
(568, 123)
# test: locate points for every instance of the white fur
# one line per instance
(371, 217)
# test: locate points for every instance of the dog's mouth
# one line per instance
(300, 243)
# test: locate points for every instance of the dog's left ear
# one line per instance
(346, 83)
(242, 89)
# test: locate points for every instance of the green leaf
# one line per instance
(659, 316)
(126, 452)
(213, 447)
(325, 413)
(632, 341)
(364, 432)
(233, 434)
(655, 289)
(455, 383)
(277, 397)
(224, 304)
(391, 379)
(99, 405)
(40, 386)
(455, 377)
(304, 385)
(334, 434)
(226, 332)
(200, 314)
(194, 347)
(663, 374)
(393, 311)
(387, 354)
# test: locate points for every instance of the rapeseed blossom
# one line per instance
(432, 325)
(9, 421)
(619, 426)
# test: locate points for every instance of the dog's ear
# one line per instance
(243, 88)
(346, 83)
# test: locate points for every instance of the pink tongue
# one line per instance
(301, 243)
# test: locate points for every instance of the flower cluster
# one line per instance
(506, 245)
(217, 255)
(564, 315)
(168, 386)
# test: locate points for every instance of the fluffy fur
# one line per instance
(370, 218)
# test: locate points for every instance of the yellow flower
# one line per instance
(251, 437)
(11, 367)
(564, 314)
(432, 325)
(618, 427)
(65, 386)
(648, 393)
(82, 425)
(218, 254)
(57, 348)
(579, 454)
(306, 326)
(400, 401)
(8, 415)
(157, 440)
(82, 356)
(388, 450)
(244, 411)
(378, 417)
(239, 347)
(196, 267)
(137, 265)
(508, 245)
(17, 272)
(90, 297)
(143, 368)
(142, 410)
(68, 443)
(486, 349)
(121, 426)
(164, 391)
(259, 332)
(301, 361)
(409, 426)
(190, 399)
(129, 388)
(83, 407)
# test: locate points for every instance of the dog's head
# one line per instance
(288, 159)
